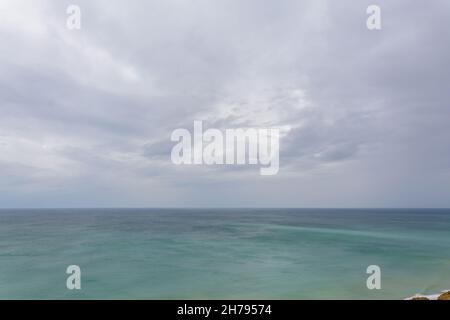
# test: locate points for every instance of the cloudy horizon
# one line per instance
(86, 115)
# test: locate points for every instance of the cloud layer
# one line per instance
(86, 116)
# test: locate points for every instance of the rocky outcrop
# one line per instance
(444, 296)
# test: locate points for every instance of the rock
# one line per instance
(444, 296)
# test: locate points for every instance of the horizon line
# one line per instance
(223, 208)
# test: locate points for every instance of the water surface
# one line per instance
(223, 254)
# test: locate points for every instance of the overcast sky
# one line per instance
(86, 116)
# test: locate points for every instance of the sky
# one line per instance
(86, 115)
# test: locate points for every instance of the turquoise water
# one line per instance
(229, 254)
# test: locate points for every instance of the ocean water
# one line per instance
(223, 254)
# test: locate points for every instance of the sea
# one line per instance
(223, 253)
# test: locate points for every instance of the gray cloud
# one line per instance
(86, 116)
